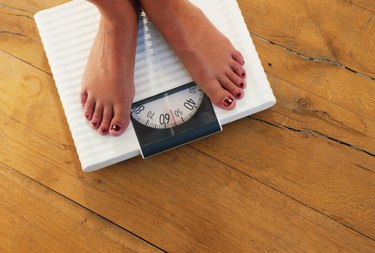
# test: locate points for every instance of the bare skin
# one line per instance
(108, 82)
(215, 65)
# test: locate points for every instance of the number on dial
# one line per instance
(171, 110)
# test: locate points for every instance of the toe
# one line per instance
(120, 120)
(239, 81)
(238, 69)
(218, 95)
(227, 84)
(106, 120)
(89, 108)
(237, 56)
(97, 116)
(83, 98)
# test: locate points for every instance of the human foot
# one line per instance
(108, 82)
(215, 65)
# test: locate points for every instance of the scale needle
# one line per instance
(173, 117)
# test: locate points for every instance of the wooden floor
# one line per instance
(299, 177)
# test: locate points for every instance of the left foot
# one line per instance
(108, 82)
(215, 65)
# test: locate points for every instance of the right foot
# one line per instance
(215, 65)
(108, 82)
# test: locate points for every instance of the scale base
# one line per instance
(179, 139)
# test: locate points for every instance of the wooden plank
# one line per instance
(183, 200)
(30, 6)
(303, 111)
(29, 95)
(334, 30)
(319, 96)
(18, 33)
(335, 179)
(19, 37)
(36, 219)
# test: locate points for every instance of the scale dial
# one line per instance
(173, 118)
(169, 110)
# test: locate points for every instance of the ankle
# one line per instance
(116, 11)
(123, 23)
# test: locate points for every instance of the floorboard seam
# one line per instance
(28, 63)
(14, 34)
(19, 15)
(85, 208)
(322, 112)
(307, 58)
(314, 132)
(284, 194)
(358, 6)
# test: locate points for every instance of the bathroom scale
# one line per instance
(169, 109)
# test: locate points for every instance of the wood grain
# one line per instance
(36, 219)
(333, 30)
(18, 34)
(319, 96)
(304, 166)
(201, 204)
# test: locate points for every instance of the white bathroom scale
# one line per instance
(169, 109)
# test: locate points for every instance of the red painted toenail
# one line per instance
(103, 131)
(243, 62)
(87, 115)
(243, 74)
(227, 101)
(116, 127)
(94, 124)
(239, 94)
(242, 85)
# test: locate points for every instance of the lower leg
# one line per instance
(108, 81)
(215, 65)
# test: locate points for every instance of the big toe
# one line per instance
(83, 97)
(120, 120)
(219, 96)
(89, 108)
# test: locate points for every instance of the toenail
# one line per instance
(87, 115)
(116, 127)
(103, 131)
(243, 62)
(239, 94)
(243, 74)
(94, 124)
(242, 85)
(227, 101)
